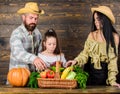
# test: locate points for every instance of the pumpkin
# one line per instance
(18, 76)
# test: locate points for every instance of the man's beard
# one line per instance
(30, 27)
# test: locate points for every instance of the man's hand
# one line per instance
(39, 63)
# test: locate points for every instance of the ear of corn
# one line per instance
(65, 72)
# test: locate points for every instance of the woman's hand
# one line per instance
(116, 85)
(71, 62)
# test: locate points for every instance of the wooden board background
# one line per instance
(70, 18)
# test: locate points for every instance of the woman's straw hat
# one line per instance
(30, 7)
(106, 11)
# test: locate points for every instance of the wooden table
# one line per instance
(89, 90)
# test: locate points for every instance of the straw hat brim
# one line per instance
(106, 12)
(27, 10)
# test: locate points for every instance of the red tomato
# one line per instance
(50, 74)
(43, 74)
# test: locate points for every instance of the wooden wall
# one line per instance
(70, 18)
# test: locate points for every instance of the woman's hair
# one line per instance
(108, 30)
(48, 34)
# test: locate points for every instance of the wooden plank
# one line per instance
(4, 44)
(6, 89)
(58, 18)
(6, 30)
(4, 55)
(3, 79)
(4, 71)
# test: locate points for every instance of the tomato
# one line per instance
(50, 74)
(43, 74)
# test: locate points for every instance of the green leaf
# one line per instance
(54, 68)
(33, 83)
(81, 76)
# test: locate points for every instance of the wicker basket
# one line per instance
(56, 83)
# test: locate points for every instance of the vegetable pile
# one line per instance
(77, 73)
(23, 77)
(69, 73)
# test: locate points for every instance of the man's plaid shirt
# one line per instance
(22, 44)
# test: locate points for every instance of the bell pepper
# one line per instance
(50, 74)
(43, 74)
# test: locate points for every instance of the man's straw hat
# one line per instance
(106, 11)
(30, 7)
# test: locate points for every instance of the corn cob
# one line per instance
(65, 72)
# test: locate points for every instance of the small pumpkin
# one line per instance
(18, 76)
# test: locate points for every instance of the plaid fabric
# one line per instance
(24, 47)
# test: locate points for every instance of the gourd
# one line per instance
(18, 76)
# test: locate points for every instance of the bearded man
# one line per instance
(25, 40)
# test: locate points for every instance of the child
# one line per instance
(50, 49)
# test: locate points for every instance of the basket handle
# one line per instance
(57, 73)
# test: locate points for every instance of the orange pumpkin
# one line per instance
(18, 76)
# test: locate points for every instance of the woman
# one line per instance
(100, 52)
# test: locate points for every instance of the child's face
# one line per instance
(50, 44)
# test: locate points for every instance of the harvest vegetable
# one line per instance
(43, 74)
(71, 75)
(18, 76)
(50, 74)
(33, 83)
(54, 68)
(65, 72)
(81, 76)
